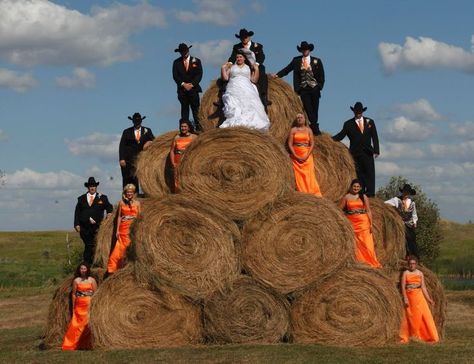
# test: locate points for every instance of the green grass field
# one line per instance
(32, 264)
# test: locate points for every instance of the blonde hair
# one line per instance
(296, 117)
(128, 187)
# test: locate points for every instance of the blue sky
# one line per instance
(72, 71)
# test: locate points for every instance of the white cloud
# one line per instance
(42, 32)
(403, 129)
(425, 53)
(420, 110)
(16, 81)
(27, 178)
(215, 12)
(387, 169)
(399, 151)
(81, 78)
(461, 151)
(214, 52)
(465, 130)
(101, 146)
(3, 135)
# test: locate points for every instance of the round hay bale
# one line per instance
(246, 313)
(125, 314)
(105, 239)
(434, 288)
(285, 105)
(301, 240)
(237, 170)
(182, 242)
(356, 306)
(153, 166)
(334, 167)
(60, 311)
(389, 233)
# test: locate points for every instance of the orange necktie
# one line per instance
(137, 135)
(91, 200)
(360, 122)
(406, 204)
(305, 63)
(186, 64)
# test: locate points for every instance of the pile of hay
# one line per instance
(389, 233)
(237, 170)
(356, 306)
(125, 314)
(184, 243)
(154, 170)
(246, 313)
(299, 241)
(60, 311)
(105, 239)
(282, 113)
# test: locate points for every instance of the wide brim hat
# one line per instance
(358, 107)
(91, 182)
(408, 189)
(183, 47)
(305, 46)
(137, 117)
(244, 33)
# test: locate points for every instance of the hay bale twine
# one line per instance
(356, 306)
(246, 313)
(302, 239)
(125, 314)
(105, 239)
(153, 166)
(237, 170)
(434, 287)
(60, 311)
(182, 242)
(285, 105)
(389, 233)
(335, 168)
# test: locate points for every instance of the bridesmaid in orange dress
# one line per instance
(418, 321)
(357, 208)
(179, 145)
(301, 145)
(83, 287)
(128, 211)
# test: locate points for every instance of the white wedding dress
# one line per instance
(242, 104)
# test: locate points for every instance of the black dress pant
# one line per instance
(262, 85)
(365, 169)
(128, 176)
(88, 234)
(410, 241)
(310, 99)
(190, 99)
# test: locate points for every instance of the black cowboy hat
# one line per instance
(304, 46)
(244, 33)
(407, 188)
(182, 47)
(137, 117)
(91, 182)
(358, 107)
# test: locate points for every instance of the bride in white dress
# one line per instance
(242, 105)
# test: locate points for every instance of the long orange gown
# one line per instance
(305, 175)
(78, 334)
(357, 215)
(418, 321)
(127, 215)
(180, 146)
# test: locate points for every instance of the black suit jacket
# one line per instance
(367, 142)
(193, 75)
(83, 211)
(129, 147)
(295, 66)
(256, 48)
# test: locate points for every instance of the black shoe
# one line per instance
(269, 102)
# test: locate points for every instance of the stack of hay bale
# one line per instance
(239, 257)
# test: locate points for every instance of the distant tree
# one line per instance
(428, 229)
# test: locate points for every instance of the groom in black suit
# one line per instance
(308, 81)
(187, 73)
(364, 146)
(257, 48)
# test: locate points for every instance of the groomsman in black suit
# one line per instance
(187, 73)
(308, 81)
(257, 48)
(133, 141)
(90, 210)
(364, 146)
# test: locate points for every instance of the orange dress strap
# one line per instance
(418, 321)
(305, 173)
(357, 215)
